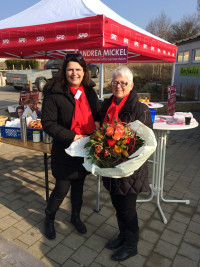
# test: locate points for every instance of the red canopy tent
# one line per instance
(49, 28)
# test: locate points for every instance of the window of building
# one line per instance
(183, 56)
(196, 55)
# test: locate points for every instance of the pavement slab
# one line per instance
(177, 243)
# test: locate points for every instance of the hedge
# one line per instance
(26, 63)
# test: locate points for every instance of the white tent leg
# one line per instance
(173, 73)
(98, 193)
(101, 77)
(101, 81)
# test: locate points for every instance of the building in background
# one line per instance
(187, 70)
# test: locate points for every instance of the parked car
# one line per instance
(56, 64)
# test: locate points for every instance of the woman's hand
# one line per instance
(97, 124)
(76, 137)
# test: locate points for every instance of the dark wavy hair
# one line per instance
(82, 63)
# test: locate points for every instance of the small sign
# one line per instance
(114, 54)
(26, 95)
(171, 108)
(190, 71)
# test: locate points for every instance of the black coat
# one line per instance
(138, 181)
(57, 111)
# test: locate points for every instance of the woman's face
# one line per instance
(74, 74)
(20, 112)
(31, 105)
(121, 89)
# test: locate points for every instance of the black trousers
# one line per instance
(60, 191)
(125, 206)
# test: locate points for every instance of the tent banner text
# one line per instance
(114, 54)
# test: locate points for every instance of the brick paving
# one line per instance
(177, 243)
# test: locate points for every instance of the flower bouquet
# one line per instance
(129, 147)
(112, 144)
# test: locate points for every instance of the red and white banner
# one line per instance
(117, 54)
(171, 107)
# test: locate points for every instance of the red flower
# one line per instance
(128, 140)
(109, 131)
(98, 148)
(111, 142)
(106, 153)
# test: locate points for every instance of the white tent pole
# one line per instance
(101, 81)
(173, 73)
(101, 76)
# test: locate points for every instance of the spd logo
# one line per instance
(39, 38)
(82, 35)
(60, 37)
(113, 36)
(126, 41)
(136, 44)
(22, 40)
(5, 41)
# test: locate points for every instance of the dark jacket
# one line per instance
(57, 111)
(138, 181)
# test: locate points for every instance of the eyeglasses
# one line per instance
(122, 84)
(72, 55)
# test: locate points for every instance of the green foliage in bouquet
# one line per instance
(112, 144)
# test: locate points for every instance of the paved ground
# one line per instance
(177, 243)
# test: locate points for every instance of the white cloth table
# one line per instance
(161, 130)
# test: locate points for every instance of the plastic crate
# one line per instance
(153, 113)
(12, 132)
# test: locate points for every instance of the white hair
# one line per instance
(124, 71)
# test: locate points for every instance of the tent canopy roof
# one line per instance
(80, 24)
(48, 11)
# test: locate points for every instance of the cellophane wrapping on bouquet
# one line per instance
(134, 162)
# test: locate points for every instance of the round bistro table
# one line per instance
(162, 126)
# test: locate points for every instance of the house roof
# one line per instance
(188, 40)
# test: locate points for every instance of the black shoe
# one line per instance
(79, 225)
(50, 232)
(124, 253)
(115, 243)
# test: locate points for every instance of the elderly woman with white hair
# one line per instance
(124, 106)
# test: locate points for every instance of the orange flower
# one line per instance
(109, 131)
(117, 149)
(120, 128)
(118, 134)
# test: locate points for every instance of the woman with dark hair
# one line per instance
(69, 112)
(19, 111)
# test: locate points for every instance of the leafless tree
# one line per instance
(189, 26)
(198, 8)
(160, 26)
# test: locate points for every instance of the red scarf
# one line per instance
(114, 110)
(82, 120)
